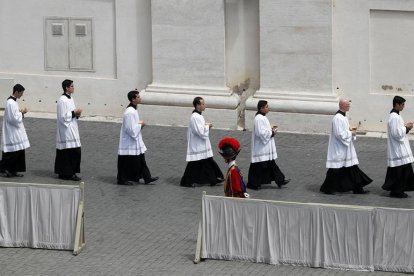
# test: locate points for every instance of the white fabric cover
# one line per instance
(315, 235)
(38, 216)
(393, 240)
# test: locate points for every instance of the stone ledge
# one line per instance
(296, 102)
(215, 97)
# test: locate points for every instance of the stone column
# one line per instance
(188, 55)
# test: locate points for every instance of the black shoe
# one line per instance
(360, 191)
(253, 187)
(219, 180)
(15, 174)
(398, 195)
(12, 174)
(286, 181)
(75, 178)
(328, 193)
(7, 173)
(152, 179)
(188, 186)
(129, 183)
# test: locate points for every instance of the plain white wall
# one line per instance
(122, 52)
(366, 57)
(299, 53)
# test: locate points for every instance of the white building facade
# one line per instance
(300, 55)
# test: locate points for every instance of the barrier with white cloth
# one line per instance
(42, 216)
(308, 234)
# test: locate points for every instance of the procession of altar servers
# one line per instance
(343, 175)
(343, 172)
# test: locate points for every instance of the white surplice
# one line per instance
(263, 144)
(14, 137)
(341, 150)
(130, 140)
(67, 136)
(399, 150)
(198, 142)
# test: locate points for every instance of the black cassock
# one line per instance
(204, 171)
(345, 179)
(399, 179)
(67, 162)
(14, 161)
(264, 173)
(132, 168)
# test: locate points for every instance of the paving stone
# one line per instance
(151, 229)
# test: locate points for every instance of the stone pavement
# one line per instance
(151, 230)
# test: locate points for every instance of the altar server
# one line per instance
(131, 152)
(14, 138)
(201, 167)
(263, 168)
(68, 145)
(400, 176)
(343, 173)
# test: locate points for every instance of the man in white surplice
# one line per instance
(201, 167)
(342, 162)
(68, 145)
(131, 152)
(263, 168)
(400, 176)
(14, 138)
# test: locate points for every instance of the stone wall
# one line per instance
(300, 55)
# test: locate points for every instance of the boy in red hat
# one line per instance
(234, 185)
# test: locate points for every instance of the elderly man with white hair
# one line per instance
(343, 173)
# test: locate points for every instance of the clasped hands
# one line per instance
(77, 112)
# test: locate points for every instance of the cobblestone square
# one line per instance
(151, 229)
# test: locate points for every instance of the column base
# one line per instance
(171, 95)
(295, 102)
(172, 105)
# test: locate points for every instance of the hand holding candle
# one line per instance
(354, 129)
(24, 110)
